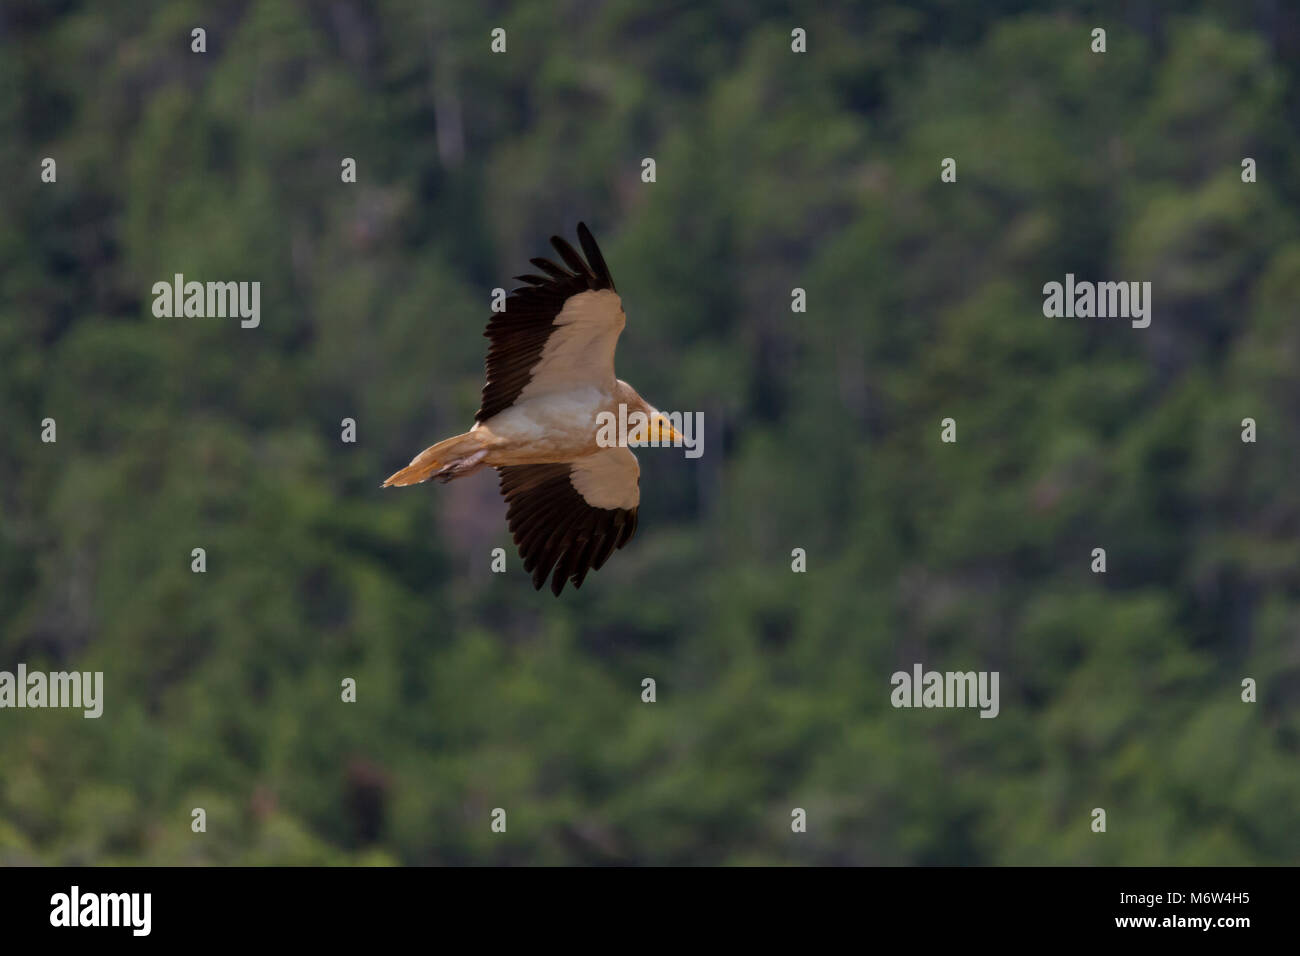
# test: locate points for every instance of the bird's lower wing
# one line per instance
(571, 517)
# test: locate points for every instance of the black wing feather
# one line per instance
(558, 534)
(518, 335)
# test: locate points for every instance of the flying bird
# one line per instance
(571, 500)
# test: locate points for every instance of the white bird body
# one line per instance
(560, 426)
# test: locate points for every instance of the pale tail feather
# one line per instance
(440, 461)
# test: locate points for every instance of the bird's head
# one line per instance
(659, 427)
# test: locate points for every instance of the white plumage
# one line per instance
(550, 375)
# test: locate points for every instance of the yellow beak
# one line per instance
(662, 431)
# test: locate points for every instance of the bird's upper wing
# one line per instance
(571, 517)
(557, 333)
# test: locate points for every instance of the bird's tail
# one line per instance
(446, 460)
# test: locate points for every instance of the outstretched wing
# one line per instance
(571, 517)
(557, 333)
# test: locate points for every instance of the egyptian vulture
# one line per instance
(571, 500)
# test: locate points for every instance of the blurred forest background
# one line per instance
(775, 171)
